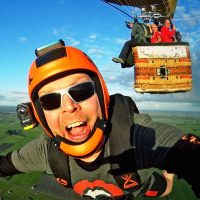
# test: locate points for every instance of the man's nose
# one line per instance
(68, 105)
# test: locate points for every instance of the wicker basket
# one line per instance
(162, 68)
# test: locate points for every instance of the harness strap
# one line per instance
(121, 148)
(59, 163)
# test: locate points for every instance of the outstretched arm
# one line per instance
(31, 157)
(6, 166)
(165, 147)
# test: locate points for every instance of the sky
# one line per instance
(97, 29)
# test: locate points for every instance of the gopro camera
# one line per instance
(40, 51)
(26, 115)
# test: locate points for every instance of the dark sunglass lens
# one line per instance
(82, 91)
(50, 101)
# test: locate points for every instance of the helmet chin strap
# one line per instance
(87, 147)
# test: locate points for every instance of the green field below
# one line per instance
(28, 186)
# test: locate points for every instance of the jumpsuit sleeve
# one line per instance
(32, 156)
(153, 141)
(165, 147)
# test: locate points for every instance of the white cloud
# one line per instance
(23, 39)
(169, 106)
(120, 41)
(72, 42)
(75, 43)
(93, 36)
(180, 9)
(95, 51)
(57, 31)
(11, 100)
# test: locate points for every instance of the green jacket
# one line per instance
(140, 32)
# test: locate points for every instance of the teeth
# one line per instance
(74, 124)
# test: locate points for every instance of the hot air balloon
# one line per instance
(161, 67)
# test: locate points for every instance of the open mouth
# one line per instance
(78, 131)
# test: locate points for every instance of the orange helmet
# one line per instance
(56, 62)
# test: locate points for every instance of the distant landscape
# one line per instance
(41, 186)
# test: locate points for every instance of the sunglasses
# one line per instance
(77, 93)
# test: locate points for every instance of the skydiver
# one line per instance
(98, 145)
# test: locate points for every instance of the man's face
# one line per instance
(73, 121)
(167, 23)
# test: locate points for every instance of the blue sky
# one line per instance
(95, 28)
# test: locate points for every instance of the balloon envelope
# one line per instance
(164, 7)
